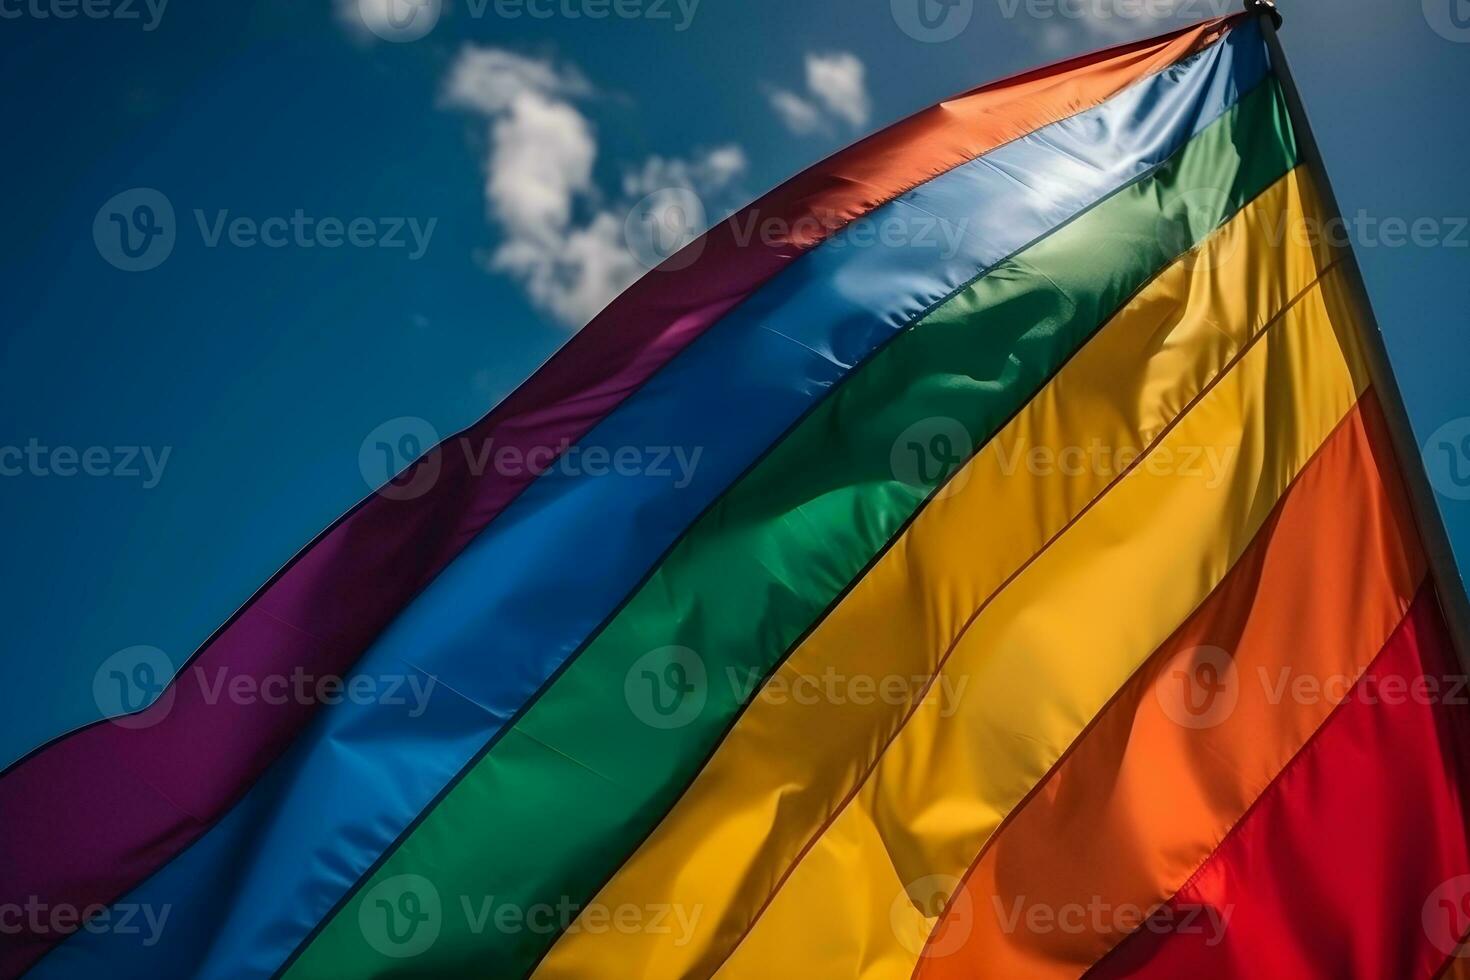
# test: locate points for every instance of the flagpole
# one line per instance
(1448, 582)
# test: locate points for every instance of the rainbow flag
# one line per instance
(1012, 575)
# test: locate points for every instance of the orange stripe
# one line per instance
(1354, 864)
(877, 169)
(1145, 795)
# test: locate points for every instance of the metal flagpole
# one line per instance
(1447, 580)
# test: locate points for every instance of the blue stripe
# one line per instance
(531, 589)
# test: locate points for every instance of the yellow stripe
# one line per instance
(791, 760)
(1044, 658)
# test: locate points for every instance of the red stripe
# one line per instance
(1355, 862)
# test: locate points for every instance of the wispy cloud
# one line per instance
(795, 113)
(490, 79)
(837, 80)
(836, 91)
(570, 249)
(1064, 28)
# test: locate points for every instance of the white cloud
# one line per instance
(837, 82)
(836, 90)
(796, 113)
(576, 275)
(712, 172)
(565, 245)
(543, 155)
(1076, 27)
(490, 79)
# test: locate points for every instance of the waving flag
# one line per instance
(1038, 594)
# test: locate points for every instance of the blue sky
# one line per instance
(488, 170)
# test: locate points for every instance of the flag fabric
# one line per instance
(1038, 595)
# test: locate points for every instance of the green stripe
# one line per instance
(572, 789)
